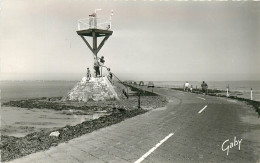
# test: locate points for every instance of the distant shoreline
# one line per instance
(137, 80)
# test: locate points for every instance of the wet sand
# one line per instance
(41, 116)
(15, 147)
(19, 122)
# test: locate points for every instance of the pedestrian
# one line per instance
(108, 27)
(88, 74)
(186, 86)
(191, 87)
(93, 20)
(96, 67)
(204, 87)
(101, 60)
(101, 63)
(110, 74)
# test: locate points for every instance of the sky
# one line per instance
(152, 40)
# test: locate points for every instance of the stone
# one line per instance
(95, 89)
(55, 133)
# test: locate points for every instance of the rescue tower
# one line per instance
(96, 88)
(95, 28)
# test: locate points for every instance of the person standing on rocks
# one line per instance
(88, 74)
(110, 74)
(101, 63)
(96, 67)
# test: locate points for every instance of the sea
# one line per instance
(16, 90)
(19, 122)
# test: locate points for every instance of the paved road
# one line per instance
(192, 128)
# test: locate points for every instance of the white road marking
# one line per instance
(201, 98)
(202, 109)
(153, 149)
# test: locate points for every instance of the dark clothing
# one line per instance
(110, 75)
(204, 87)
(101, 60)
(96, 68)
(93, 15)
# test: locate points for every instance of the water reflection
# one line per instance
(20, 121)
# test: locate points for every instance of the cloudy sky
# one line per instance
(152, 40)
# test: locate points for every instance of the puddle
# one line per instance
(20, 121)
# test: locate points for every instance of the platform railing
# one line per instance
(98, 23)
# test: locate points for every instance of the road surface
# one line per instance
(192, 128)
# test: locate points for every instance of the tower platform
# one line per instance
(98, 32)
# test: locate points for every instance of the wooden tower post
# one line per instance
(95, 33)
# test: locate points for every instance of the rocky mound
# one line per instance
(95, 89)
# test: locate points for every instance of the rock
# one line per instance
(96, 89)
(55, 133)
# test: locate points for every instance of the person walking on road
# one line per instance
(204, 87)
(186, 86)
